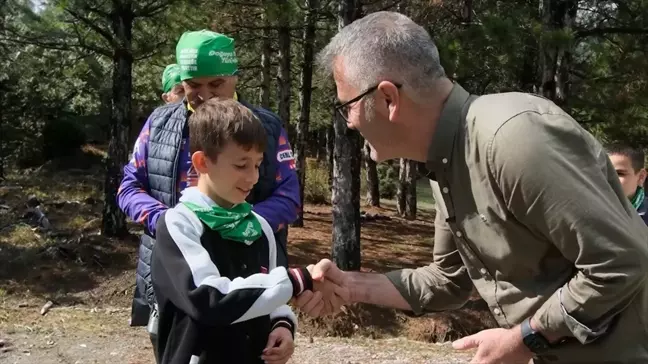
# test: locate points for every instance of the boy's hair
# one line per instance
(218, 121)
(637, 156)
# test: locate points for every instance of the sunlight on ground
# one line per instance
(21, 235)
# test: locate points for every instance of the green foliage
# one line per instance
(388, 177)
(316, 188)
(49, 76)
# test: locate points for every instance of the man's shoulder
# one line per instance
(168, 109)
(489, 113)
(264, 114)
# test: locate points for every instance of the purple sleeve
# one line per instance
(282, 206)
(132, 196)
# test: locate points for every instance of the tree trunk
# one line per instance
(402, 187)
(2, 146)
(346, 179)
(305, 100)
(330, 146)
(373, 184)
(114, 220)
(406, 194)
(284, 80)
(410, 201)
(557, 15)
(467, 12)
(266, 65)
(320, 144)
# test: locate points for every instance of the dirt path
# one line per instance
(82, 335)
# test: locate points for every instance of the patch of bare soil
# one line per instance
(82, 336)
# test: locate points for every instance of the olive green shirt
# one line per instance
(531, 212)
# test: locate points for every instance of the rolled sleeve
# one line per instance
(442, 285)
(555, 179)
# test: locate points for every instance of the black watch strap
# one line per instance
(533, 339)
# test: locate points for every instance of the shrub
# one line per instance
(388, 177)
(316, 188)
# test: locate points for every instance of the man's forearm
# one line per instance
(375, 289)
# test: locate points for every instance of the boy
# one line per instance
(172, 84)
(629, 165)
(221, 296)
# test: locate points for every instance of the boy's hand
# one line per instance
(280, 346)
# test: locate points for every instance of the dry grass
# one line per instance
(21, 235)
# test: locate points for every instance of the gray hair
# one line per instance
(385, 46)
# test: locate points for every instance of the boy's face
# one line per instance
(230, 178)
(630, 179)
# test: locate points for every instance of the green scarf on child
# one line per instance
(237, 223)
(638, 198)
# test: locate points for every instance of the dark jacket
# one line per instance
(213, 305)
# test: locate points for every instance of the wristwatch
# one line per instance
(533, 339)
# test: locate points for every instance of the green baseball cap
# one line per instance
(170, 77)
(205, 53)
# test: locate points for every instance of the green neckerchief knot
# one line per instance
(638, 198)
(237, 223)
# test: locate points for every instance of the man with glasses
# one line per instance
(529, 209)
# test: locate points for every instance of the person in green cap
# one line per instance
(161, 169)
(172, 90)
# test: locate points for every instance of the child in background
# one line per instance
(629, 165)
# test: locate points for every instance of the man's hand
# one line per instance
(280, 346)
(496, 346)
(330, 290)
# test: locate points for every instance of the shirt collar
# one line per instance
(440, 151)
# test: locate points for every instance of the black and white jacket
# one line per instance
(218, 299)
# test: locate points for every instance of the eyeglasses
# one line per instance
(343, 109)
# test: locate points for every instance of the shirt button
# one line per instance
(497, 311)
(444, 160)
(243, 266)
(483, 271)
(459, 234)
(445, 190)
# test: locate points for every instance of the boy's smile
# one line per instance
(228, 179)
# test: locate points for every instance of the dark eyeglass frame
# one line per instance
(343, 109)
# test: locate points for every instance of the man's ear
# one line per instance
(199, 161)
(165, 98)
(642, 177)
(391, 98)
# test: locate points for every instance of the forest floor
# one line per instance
(88, 280)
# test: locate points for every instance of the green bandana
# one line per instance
(638, 197)
(206, 54)
(170, 77)
(237, 223)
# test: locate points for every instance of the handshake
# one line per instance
(330, 290)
